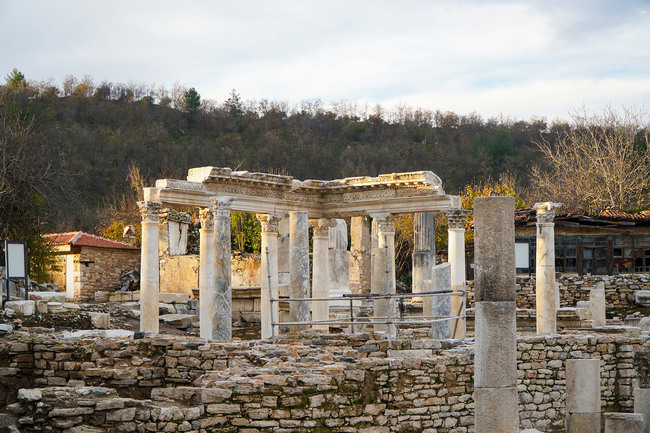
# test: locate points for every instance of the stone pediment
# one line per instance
(419, 191)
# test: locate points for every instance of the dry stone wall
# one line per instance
(319, 383)
(619, 290)
(103, 269)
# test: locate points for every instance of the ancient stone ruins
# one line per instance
(340, 349)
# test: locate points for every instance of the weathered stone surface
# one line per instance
(21, 308)
(181, 321)
(100, 320)
(583, 422)
(583, 385)
(30, 394)
(618, 422)
(495, 361)
(642, 406)
(496, 410)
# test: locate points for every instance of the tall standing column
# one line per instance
(383, 269)
(220, 310)
(269, 272)
(545, 269)
(456, 256)
(424, 249)
(321, 278)
(582, 395)
(359, 255)
(149, 266)
(206, 272)
(299, 265)
(495, 359)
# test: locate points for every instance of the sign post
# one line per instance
(16, 264)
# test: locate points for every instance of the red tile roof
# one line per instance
(87, 240)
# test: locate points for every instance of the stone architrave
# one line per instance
(383, 270)
(220, 309)
(150, 266)
(583, 395)
(269, 273)
(206, 272)
(545, 268)
(456, 219)
(339, 264)
(439, 306)
(597, 305)
(359, 256)
(320, 276)
(299, 265)
(424, 249)
(495, 360)
(642, 406)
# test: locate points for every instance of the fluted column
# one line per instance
(383, 269)
(299, 265)
(320, 276)
(424, 249)
(269, 272)
(149, 266)
(545, 269)
(206, 271)
(456, 257)
(221, 306)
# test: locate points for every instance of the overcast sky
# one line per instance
(514, 58)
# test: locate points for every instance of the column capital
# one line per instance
(207, 218)
(456, 218)
(546, 211)
(150, 210)
(385, 222)
(221, 206)
(269, 221)
(321, 226)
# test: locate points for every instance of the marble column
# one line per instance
(339, 265)
(620, 422)
(149, 266)
(269, 273)
(642, 406)
(439, 306)
(424, 249)
(359, 255)
(597, 305)
(320, 272)
(545, 287)
(220, 309)
(383, 270)
(582, 395)
(456, 256)
(495, 359)
(299, 265)
(206, 272)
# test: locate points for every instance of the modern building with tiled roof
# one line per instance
(89, 263)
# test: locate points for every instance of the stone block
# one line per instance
(101, 297)
(174, 298)
(6, 328)
(583, 385)
(165, 308)
(618, 422)
(54, 307)
(597, 304)
(26, 394)
(494, 227)
(495, 362)
(41, 307)
(22, 308)
(47, 296)
(496, 410)
(180, 321)
(70, 306)
(642, 406)
(100, 320)
(583, 422)
(409, 353)
(642, 298)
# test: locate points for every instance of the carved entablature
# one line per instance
(275, 194)
(456, 218)
(150, 210)
(546, 212)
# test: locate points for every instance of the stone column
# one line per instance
(582, 395)
(495, 359)
(456, 256)
(359, 256)
(284, 240)
(206, 272)
(383, 270)
(299, 265)
(619, 422)
(220, 309)
(439, 306)
(545, 269)
(149, 266)
(424, 249)
(339, 265)
(642, 406)
(320, 277)
(269, 272)
(597, 305)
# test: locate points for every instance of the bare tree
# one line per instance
(598, 161)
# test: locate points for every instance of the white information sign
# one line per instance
(16, 260)
(522, 255)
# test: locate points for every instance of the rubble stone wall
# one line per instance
(102, 272)
(619, 290)
(319, 383)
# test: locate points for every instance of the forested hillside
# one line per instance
(96, 131)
